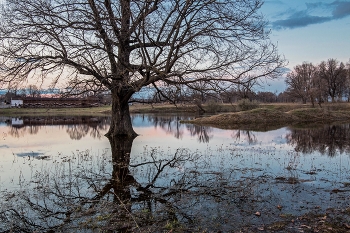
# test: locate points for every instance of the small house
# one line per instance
(16, 103)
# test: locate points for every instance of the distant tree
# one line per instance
(319, 91)
(285, 97)
(22, 92)
(266, 97)
(10, 95)
(124, 45)
(245, 90)
(33, 91)
(346, 88)
(334, 74)
(299, 81)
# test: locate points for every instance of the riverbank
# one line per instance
(272, 116)
(220, 114)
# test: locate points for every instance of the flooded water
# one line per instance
(62, 174)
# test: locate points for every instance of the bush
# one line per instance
(246, 104)
(213, 106)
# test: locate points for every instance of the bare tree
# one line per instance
(245, 90)
(299, 82)
(319, 90)
(33, 91)
(346, 88)
(334, 73)
(124, 45)
(266, 97)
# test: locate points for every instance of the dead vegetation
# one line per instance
(276, 116)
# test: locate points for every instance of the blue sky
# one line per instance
(308, 30)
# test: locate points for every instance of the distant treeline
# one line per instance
(328, 81)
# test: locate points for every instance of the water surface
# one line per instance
(59, 173)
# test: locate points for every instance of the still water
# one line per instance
(62, 173)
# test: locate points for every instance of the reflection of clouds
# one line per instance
(32, 154)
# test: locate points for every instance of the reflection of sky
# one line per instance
(158, 136)
(47, 140)
(140, 122)
(225, 157)
(223, 147)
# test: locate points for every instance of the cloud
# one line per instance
(299, 19)
(342, 10)
(316, 13)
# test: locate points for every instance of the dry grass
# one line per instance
(279, 114)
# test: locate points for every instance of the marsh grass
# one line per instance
(246, 104)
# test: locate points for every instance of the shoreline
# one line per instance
(227, 116)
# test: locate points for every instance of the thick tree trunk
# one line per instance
(121, 122)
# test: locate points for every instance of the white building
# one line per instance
(16, 102)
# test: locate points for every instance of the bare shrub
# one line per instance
(213, 106)
(246, 104)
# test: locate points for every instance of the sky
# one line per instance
(308, 31)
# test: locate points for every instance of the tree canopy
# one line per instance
(124, 45)
(326, 81)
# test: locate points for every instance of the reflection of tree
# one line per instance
(202, 132)
(327, 140)
(33, 129)
(77, 132)
(248, 135)
(121, 177)
(77, 128)
(95, 131)
(171, 124)
(168, 123)
(93, 125)
(140, 194)
(17, 132)
(97, 125)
